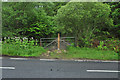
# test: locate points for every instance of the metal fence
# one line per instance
(52, 43)
(49, 43)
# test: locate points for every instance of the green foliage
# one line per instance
(24, 18)
(109, 44)
(40, 30)
(24, 48)
(14, 17)
(101, 45)
(85, 21)
(81, 19)
(113, 44)
(115, 14)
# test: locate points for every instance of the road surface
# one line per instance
(36, 68)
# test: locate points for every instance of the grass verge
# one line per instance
(18, 50)
(86, 53)
(71, 53)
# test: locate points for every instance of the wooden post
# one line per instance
(40, 42)
(58, 41)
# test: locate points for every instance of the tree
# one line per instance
(17, 16)
(115, 15)
(24, 19)
(82, 19)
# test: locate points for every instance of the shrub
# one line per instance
(110, 44)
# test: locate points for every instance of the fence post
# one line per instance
(40, 42)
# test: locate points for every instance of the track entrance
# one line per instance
(59, 43)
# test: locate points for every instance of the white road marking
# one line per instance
(111, 61)
(19, 58)
(1, 58)
(7, 68)
(48, 59)
(103, 71)
(96, 61)
(67, 60)
(79, 60)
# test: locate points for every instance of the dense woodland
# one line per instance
(86, 21)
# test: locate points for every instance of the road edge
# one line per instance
(76, 60)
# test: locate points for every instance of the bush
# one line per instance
(109, 44)
(113, 45)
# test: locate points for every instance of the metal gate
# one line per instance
(59, 43)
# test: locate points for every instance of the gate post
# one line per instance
(58, 41)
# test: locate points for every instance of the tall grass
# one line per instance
(12, 49)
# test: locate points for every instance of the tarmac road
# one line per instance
(36, 68)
